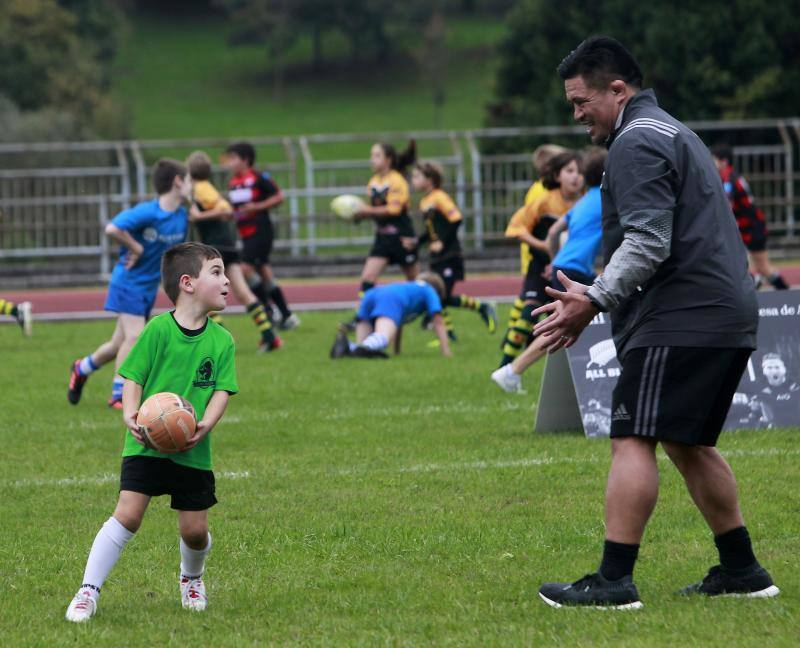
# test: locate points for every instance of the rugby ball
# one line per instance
(347, 206)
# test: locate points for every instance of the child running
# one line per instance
(144, 233)
(384, 310)
(211, 215)
(564, 183)
(21, 312)
(442, 221)
(184, 352)
(253, 193)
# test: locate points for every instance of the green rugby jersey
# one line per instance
(164, 358)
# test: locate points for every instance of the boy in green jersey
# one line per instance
(184, 352)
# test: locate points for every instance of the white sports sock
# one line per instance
(193, 560)
(87, 366)
(106, 550)
(376, 341)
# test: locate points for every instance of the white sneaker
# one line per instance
(25, 318)
(82, 607)
(193, 594)
(507, 380)
(293, 321)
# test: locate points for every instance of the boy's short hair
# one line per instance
(244, 150)
(592, 165)
(554, 166)
(164, 173)
(723, 152)
(598, 61)
(543, 154)
(435, 282)
(199, 165)
(431, 170)
(184, 259)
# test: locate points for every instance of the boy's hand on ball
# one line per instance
(199, 432)
(133, 426)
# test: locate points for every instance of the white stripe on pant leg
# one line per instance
(661, 371)
(642, 390)
(647, 419)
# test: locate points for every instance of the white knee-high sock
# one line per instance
(106, 550)
(375, 341)
(193, 561)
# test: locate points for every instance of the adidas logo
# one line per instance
(621, 413)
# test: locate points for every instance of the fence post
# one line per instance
(294, 208)
(125, 187)
(477, 195)
(311, 226)
(789, 174)
(102, 213)
(141, 170)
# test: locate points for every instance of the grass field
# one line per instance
(183, 80)
(363, 503)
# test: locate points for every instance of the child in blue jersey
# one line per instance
(576, 259)
(144, 233)
(384, 310)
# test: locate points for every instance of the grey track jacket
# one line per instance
(675, 265)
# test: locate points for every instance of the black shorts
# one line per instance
(679, 394)
(256, 249)
(450, 270)
(230, 256)
(389, 246)
(534, 283)
(575, 275)
(754, 233)
(191, 489)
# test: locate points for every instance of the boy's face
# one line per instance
(184, 186)
(211, 286)
(234, 163)
(420, 181)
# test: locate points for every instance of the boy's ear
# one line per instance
(185, 283)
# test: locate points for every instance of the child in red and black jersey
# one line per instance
(749, 218)
(253, 193)
(442, 220)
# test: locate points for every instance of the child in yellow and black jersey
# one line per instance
(564, 183)
(395, 239)
(442, 220)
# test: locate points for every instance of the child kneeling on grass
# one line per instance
(384, 310)
(184, 352)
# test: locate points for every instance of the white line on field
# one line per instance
(108, 478)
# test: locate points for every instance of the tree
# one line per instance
(716, 59)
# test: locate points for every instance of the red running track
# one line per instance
(312, 295)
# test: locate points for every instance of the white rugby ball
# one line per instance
(347, 206)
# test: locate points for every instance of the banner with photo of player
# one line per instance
(768, 395)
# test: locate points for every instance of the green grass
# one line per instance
(181, 79)
(362, 503)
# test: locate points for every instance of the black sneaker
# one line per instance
(76, 383)
(489, 316)
(593, 591)
(364, 352)
(341, 345)
(750, 582)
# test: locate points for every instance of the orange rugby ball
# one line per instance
(167, 422)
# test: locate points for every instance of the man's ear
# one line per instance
(618, 87)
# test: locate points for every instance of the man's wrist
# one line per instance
(595, 302)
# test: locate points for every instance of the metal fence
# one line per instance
(56, 198)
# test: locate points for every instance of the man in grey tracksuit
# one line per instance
(684, 319)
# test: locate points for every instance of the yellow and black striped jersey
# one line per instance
(391, 190)
(442, 219)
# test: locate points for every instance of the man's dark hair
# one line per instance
(554, 166)
(599, 60)
(164, 173)
(184, 259)
(723, 152)
(244, 150)
(593, 164)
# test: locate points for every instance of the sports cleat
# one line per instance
(82, 607)
(291, 322)
(76, 383)
(115, 403)
(341, 345)
(193, 594)
(593, 591)
(750, 582)
(451, 335)
(507, 380)
(372, 354)
(25, 318)
(266, 347)
(488, 314)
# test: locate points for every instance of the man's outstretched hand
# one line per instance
(567, 315)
